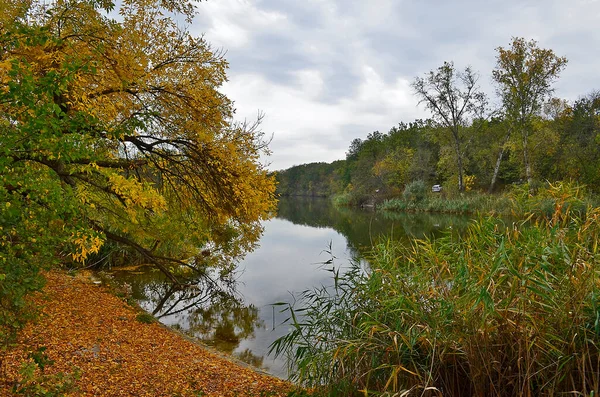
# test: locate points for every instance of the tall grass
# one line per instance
(516, 201)
(505, 310)
(467, 203)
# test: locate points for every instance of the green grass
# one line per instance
(504, 310)
(516, 201)
(145, 318)
(467, 203)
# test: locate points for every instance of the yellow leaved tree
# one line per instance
(113, 132)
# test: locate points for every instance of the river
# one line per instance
(240, 319)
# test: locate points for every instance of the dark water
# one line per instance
(239, 318)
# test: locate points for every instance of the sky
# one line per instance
(324, 72)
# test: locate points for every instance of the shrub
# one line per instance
(415, 191)
(342, 200)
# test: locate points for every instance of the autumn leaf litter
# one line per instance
(86, 329)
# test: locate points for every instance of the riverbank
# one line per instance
(96, 341)
(467, 203)
(516, 201)
(421, 200)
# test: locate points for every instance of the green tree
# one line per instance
(454, 99)
(579, 146)
(524, 75)
(393, 168)
(365, 181)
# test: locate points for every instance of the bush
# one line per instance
(342, 200)
(415, 191)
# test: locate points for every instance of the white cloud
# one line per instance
(381, 97)
(304, 128)
(310, 82)
(327, 71)
(232, 23)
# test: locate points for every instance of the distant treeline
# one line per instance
(566, 145)
(531, 138)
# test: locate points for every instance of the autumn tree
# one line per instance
(393, 168)
(114, 131)
(524, 75)
(454, 99)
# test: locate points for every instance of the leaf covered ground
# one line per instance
(87, 330)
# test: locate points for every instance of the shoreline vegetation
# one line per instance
(518, 200)
(502, 310)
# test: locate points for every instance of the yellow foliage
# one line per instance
(394, 167)
(85, 244)
(136, 134)
(469, 182)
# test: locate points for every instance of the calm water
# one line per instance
(240, 319)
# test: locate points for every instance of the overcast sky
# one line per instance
(327, 71)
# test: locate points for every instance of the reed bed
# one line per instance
(503, 310)
(468, 203)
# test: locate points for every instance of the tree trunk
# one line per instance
(496, 170)
(527, 162)
(461, 185)
(498, 162)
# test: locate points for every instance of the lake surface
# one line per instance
(239, 319)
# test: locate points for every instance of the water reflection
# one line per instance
(211, 311)
(237, 316)
(363, 228)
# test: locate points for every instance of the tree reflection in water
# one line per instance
(210, 310)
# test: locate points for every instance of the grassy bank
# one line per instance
(505, 310)
(466, 203)
(515, 201)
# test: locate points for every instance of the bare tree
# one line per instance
(454, 99)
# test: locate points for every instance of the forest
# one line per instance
(468, 144)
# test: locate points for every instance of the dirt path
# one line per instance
(87, 329)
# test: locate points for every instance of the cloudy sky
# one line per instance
(327, 71)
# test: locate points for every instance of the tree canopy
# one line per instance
(113, 132)
(524, 75)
